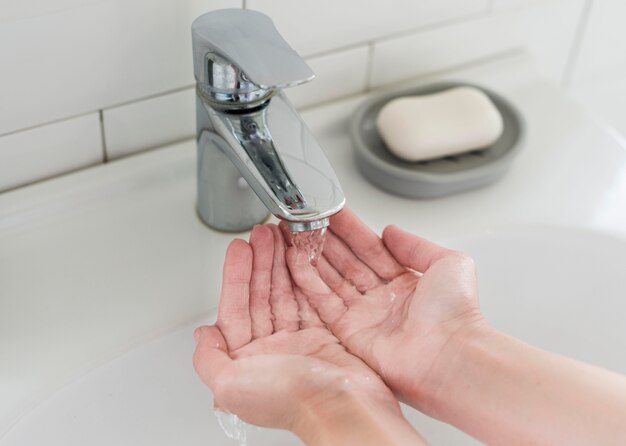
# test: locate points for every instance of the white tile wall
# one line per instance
(337, 74)
(150, 123)
(320, 25)
(50, 150)
(598, 79)
(545, 29)
(602, 53)
(508, 5)
(94, 54)
(16, 10)
(131, 60)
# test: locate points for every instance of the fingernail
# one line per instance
(196, 334)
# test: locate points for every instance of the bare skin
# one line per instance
(377, 305)
(272, 361)
(409, 309)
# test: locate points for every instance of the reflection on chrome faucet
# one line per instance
(247, 128)
(251, 131)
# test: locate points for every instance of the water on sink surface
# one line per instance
(310, 242)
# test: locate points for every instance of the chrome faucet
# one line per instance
(255, 154)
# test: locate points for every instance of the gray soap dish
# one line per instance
(437, 177)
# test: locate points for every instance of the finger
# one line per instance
(349, 265)
(262, 243)
(329, 306)
(412, 251)
(365, 244)
(336, 282)
(282, 298)
(308, 316)
(286, 233)
(211, 357)
(233, 317)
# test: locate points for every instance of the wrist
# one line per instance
(350, 417)
(447, 368)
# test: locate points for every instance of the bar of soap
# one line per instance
(461, 119)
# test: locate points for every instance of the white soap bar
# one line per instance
(453, 121)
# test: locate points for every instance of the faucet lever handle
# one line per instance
(249, 40)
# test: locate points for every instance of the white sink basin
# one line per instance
(109, 260)
(557, 288)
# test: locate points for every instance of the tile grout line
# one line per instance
(103, 138)
(370, 67)
(378, 88)
(80, 169)
(151, 96)
(576, 46)
(89, 112)
(429, 27)
(162, 145)
(43, 124)
(340, 49)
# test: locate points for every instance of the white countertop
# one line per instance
(94, 263)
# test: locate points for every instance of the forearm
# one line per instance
(503, 391)
(351, 420)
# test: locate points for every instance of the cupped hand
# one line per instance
(401, 303)
(270, 359)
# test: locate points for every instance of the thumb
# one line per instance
(412, 251)
(211, 356)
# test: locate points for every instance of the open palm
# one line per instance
(395, 302)
(270, 354)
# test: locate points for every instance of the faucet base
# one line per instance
(225, 200)
(229, 229)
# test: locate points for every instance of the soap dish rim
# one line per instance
(448, 178)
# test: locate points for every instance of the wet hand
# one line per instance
(399, 302)
(270, 359)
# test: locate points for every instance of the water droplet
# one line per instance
(310, 242)
(233, 426)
